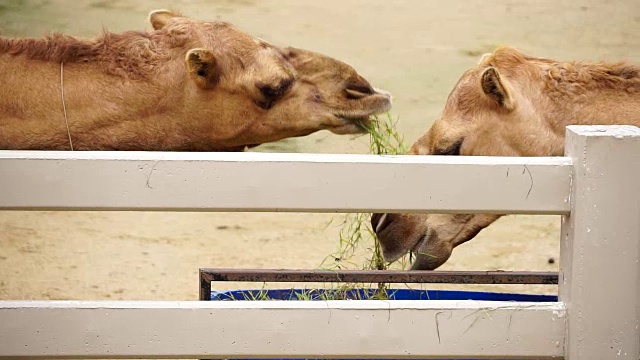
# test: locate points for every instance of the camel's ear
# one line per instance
(159, 18)
(202, 67)
(494, 87)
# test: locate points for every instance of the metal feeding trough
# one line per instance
(207, 276)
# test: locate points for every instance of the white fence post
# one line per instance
(600, 252)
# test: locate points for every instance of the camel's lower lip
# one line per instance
(363, 123)
(416, 248)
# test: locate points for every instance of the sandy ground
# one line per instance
(415, 49)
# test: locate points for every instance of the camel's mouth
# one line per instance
(352, 125)
(363, 122)
(360, 121)
(417, 253)
(416, 248)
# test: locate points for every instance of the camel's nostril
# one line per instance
(357, 91)
(378, 222)
(355, 95)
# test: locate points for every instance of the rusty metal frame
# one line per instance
(373, 276)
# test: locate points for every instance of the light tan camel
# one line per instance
(189, 85)
(510, 104)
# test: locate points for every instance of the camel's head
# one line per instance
(254, 92)
(493, 110)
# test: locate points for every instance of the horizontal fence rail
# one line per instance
(34, 180)
(280, 329)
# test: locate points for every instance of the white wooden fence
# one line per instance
(595, 187)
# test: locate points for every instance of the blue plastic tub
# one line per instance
(394, 294)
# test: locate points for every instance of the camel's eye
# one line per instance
(451, 150)
(273, 92)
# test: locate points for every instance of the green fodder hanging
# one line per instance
(357, 238)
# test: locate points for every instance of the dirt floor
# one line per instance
(415, 49)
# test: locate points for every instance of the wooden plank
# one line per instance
(600, 252)
(34, 180)
(248, 329)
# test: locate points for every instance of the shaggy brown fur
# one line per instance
(132, 54)
(567, 79)
(188, 85)
(511, 104)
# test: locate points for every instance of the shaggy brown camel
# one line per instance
(189, 85)
(510, 104)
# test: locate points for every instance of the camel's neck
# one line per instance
(111, 104)
(602, 106)
(100, 107)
